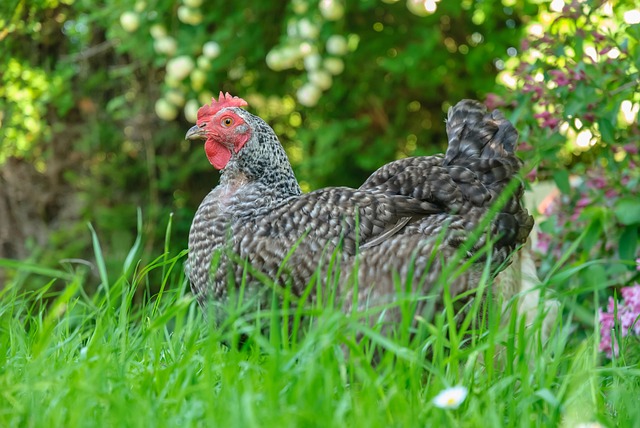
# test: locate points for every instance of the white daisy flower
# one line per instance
(451, 398)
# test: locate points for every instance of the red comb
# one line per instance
(224, 100)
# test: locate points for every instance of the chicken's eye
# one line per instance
(227, 122)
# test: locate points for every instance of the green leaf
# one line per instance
(607, 131)
(35, 269)
(561, 177)
(593, 233)
(627, 211)
(628, 243)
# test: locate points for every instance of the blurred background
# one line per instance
(95, 101)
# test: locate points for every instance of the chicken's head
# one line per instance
(223, 129)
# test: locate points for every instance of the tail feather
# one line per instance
(479, 163)
(485, 142)
(475, 134)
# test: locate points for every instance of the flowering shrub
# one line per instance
(601, 205)
(574, 92)
(627, 320)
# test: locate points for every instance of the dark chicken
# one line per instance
(407, 219)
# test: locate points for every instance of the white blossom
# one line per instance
(300, 6)
(308, 95)
(203, 63)
(180, 67)
(175, 97)
(165, 110)
(312, 62)
(334, 66)
(198, 78)
(451, 398)
(157, 31)
(191, 110)
(211, 50)
(140, 6)
(331, 10)
(321, 78)
(205, 97)
(165, 45)
(307, 29)
(130, 21)
(337, 45)
(275, 60)
(192, 3)
(189, 15)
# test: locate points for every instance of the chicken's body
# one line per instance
(407, 219)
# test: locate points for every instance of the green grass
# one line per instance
(72, 359)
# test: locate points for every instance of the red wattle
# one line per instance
(217, 154)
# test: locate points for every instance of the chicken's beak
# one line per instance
(195, 133)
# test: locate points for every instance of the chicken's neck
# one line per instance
(262, 164)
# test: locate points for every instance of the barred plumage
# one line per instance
(258, 215)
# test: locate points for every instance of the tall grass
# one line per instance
(69, 359)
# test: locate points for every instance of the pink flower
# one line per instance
(524, 146)
(532, 175)
(559, 77)
(579, 75)
(630, 148)
(583, 202)
(493, 101)
(611, 193)
(535, 88)
(628, 312)
(597, 183)
(631, 295)
(550, 123)
(543, 242)
(605, 50)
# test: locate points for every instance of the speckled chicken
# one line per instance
(405, 223)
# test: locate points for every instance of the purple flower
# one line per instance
(630, 148)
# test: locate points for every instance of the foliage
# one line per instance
(73, 359)
(89, 84)
(347, 85)
(627, 315)
(575, 97)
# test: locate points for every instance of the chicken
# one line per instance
(406, 222)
